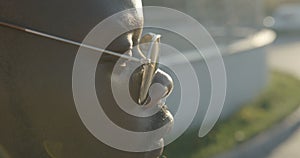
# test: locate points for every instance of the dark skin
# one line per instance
(37, 113)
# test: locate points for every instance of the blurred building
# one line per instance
(231, 19)
(237, 28)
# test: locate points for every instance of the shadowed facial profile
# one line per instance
(37, 111)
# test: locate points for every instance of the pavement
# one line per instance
(286, 57)
(289, 148)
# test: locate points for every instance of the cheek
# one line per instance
(122, 44)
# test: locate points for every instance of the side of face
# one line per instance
(38, 109)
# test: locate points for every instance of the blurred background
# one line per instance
(260, 42)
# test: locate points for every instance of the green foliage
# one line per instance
(280, 99)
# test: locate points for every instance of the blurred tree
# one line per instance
(272, 5)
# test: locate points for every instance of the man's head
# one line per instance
(38, 108)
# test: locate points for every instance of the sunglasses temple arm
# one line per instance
(41, 34)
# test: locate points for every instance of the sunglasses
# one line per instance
(149, 62)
